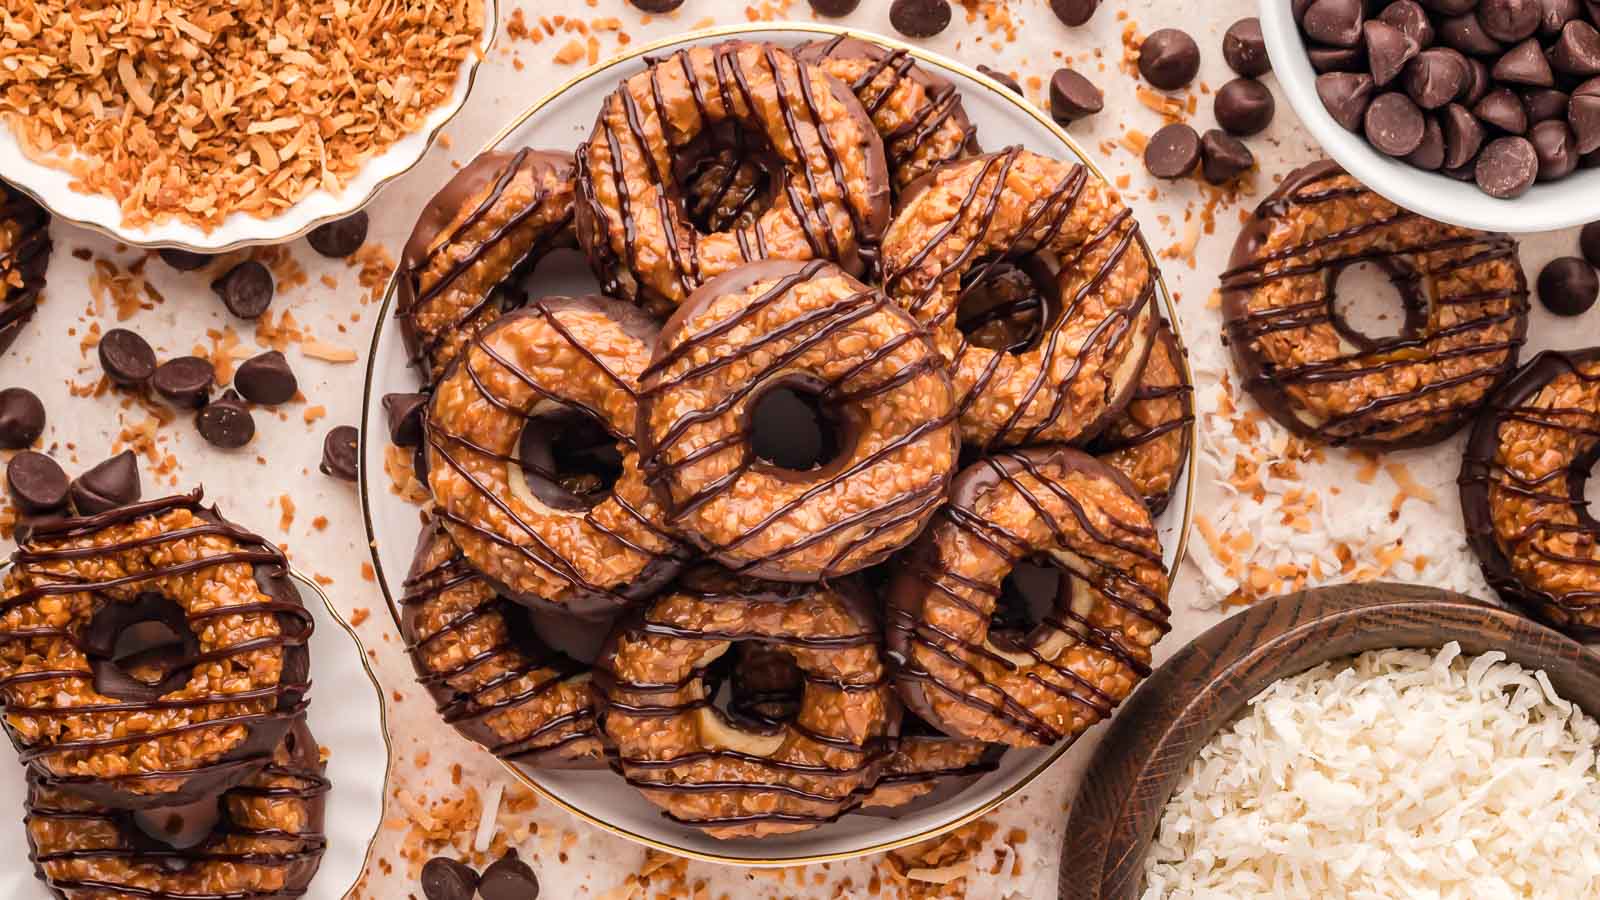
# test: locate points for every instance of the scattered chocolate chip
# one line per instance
(246, 289)
(1507, 167)
(1429, 154)
(1524, 64)
(404, 412)
(509, 878)
(185, 381)
(340, 452)
(1244, 107)
(1463, 137)
(1245, 50)
(919, 18)
(1336, 22)
(1503, 110)
(1543, 104)
(1172, 152)
(1411, 19)
(1223, 157)
(1010, 83)
(1552, 141)
(1478, 82)
(1169, 58)
(1345, 95)
(1337, 59)
(128, 359)
(1510, 20)
(1465, 33)
(1555, 14)
(36, 482)
(1388, 50)
(184, 260)
(266, 379)
(110, 484)
(1073, 13)
(1435, 77)
(1583, 114)
(226, 422)
(448, 879)
(21, 418)
(1394, 125)
(1577, 50)
(835, 8)
(1568, 286)
(341, 238)
(1589, 242)
(1072, 97)
(656, 6)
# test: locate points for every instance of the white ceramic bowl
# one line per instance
(561, 120)
(1574, 200)
(52, 187)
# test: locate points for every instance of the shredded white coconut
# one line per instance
(1398, 774)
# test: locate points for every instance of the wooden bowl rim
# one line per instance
(1205, 685)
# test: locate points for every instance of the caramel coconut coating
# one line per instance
(24, 256)
(493, 222)
(779, 324)
(1522, 490)
(77, 582)
(739, 780)
(266, 844)
(1466, 309)
(492, 677)
(1150, 441)
(918, 114)
(1016, 207)
(832, 182)
(1055, 505)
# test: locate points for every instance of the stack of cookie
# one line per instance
(843, 482)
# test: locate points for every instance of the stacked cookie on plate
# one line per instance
(842, 483)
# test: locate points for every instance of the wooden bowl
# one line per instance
(1162, 728)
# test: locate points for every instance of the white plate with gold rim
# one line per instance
(560, 121)
(354, 734)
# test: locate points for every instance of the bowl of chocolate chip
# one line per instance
(1480, 113)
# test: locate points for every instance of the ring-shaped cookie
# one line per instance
(738, 779)
(1466, 312)
(219, 681)
(1086, 526)
(830, 181)
(803, 328)
(1150, 441)
(24, 256)
(1067, 379)
(561, 369)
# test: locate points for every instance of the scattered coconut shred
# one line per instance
(1399, 774)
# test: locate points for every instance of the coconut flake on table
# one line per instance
(1400, 773)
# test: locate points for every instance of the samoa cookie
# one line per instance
(24, 256)
(1150, 441)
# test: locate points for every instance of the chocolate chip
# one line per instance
(1435, 77)
(1510, 20)
(1345, 95)
(1463, 137)
(404, 412)
(1589, 242)
(110, 484)
(266, 379)
(1245, 50)
(1244, 107)
(36, 483)
(185, 381)
(509, 878)
(1337, 59)
(1169, 58)
(1411, 19)
(1429, 154)
(449, 879)
(1524, 64)
(128, 359)
(21, 418)
(1503, 110)
(1552, 141)
(1583, 114)
(1010, 83)
(1577, 50)
(1223, 157)
(1074, 12)
(1393, 124)
(246, 289)
(340, 452)
(1555, 14)
(1543, 104)
(835, 8)
(1507, 167)
(341, 238)
(919, 18)
(656, 6)
(1568, 286)
(1388, 50)
(1336, 22)
(1172, 152)
(1478, 82)
(226, 422)
(1072, 97)
(183, 260)
(1465, 33)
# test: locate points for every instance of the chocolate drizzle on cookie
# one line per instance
(23, 260)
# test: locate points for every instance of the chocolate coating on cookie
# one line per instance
(24, 256)
(1150, 442)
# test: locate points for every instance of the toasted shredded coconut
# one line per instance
(1401, 773)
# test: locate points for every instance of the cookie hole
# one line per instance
(1372, 304)
(792, 427)
(569, 458)
(1029, 596)
(1003, 307)
(140, 650)
(178, 827)
(726, 179)
(766, 685)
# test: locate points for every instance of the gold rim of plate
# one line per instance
(491, 32)
(922, 56)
